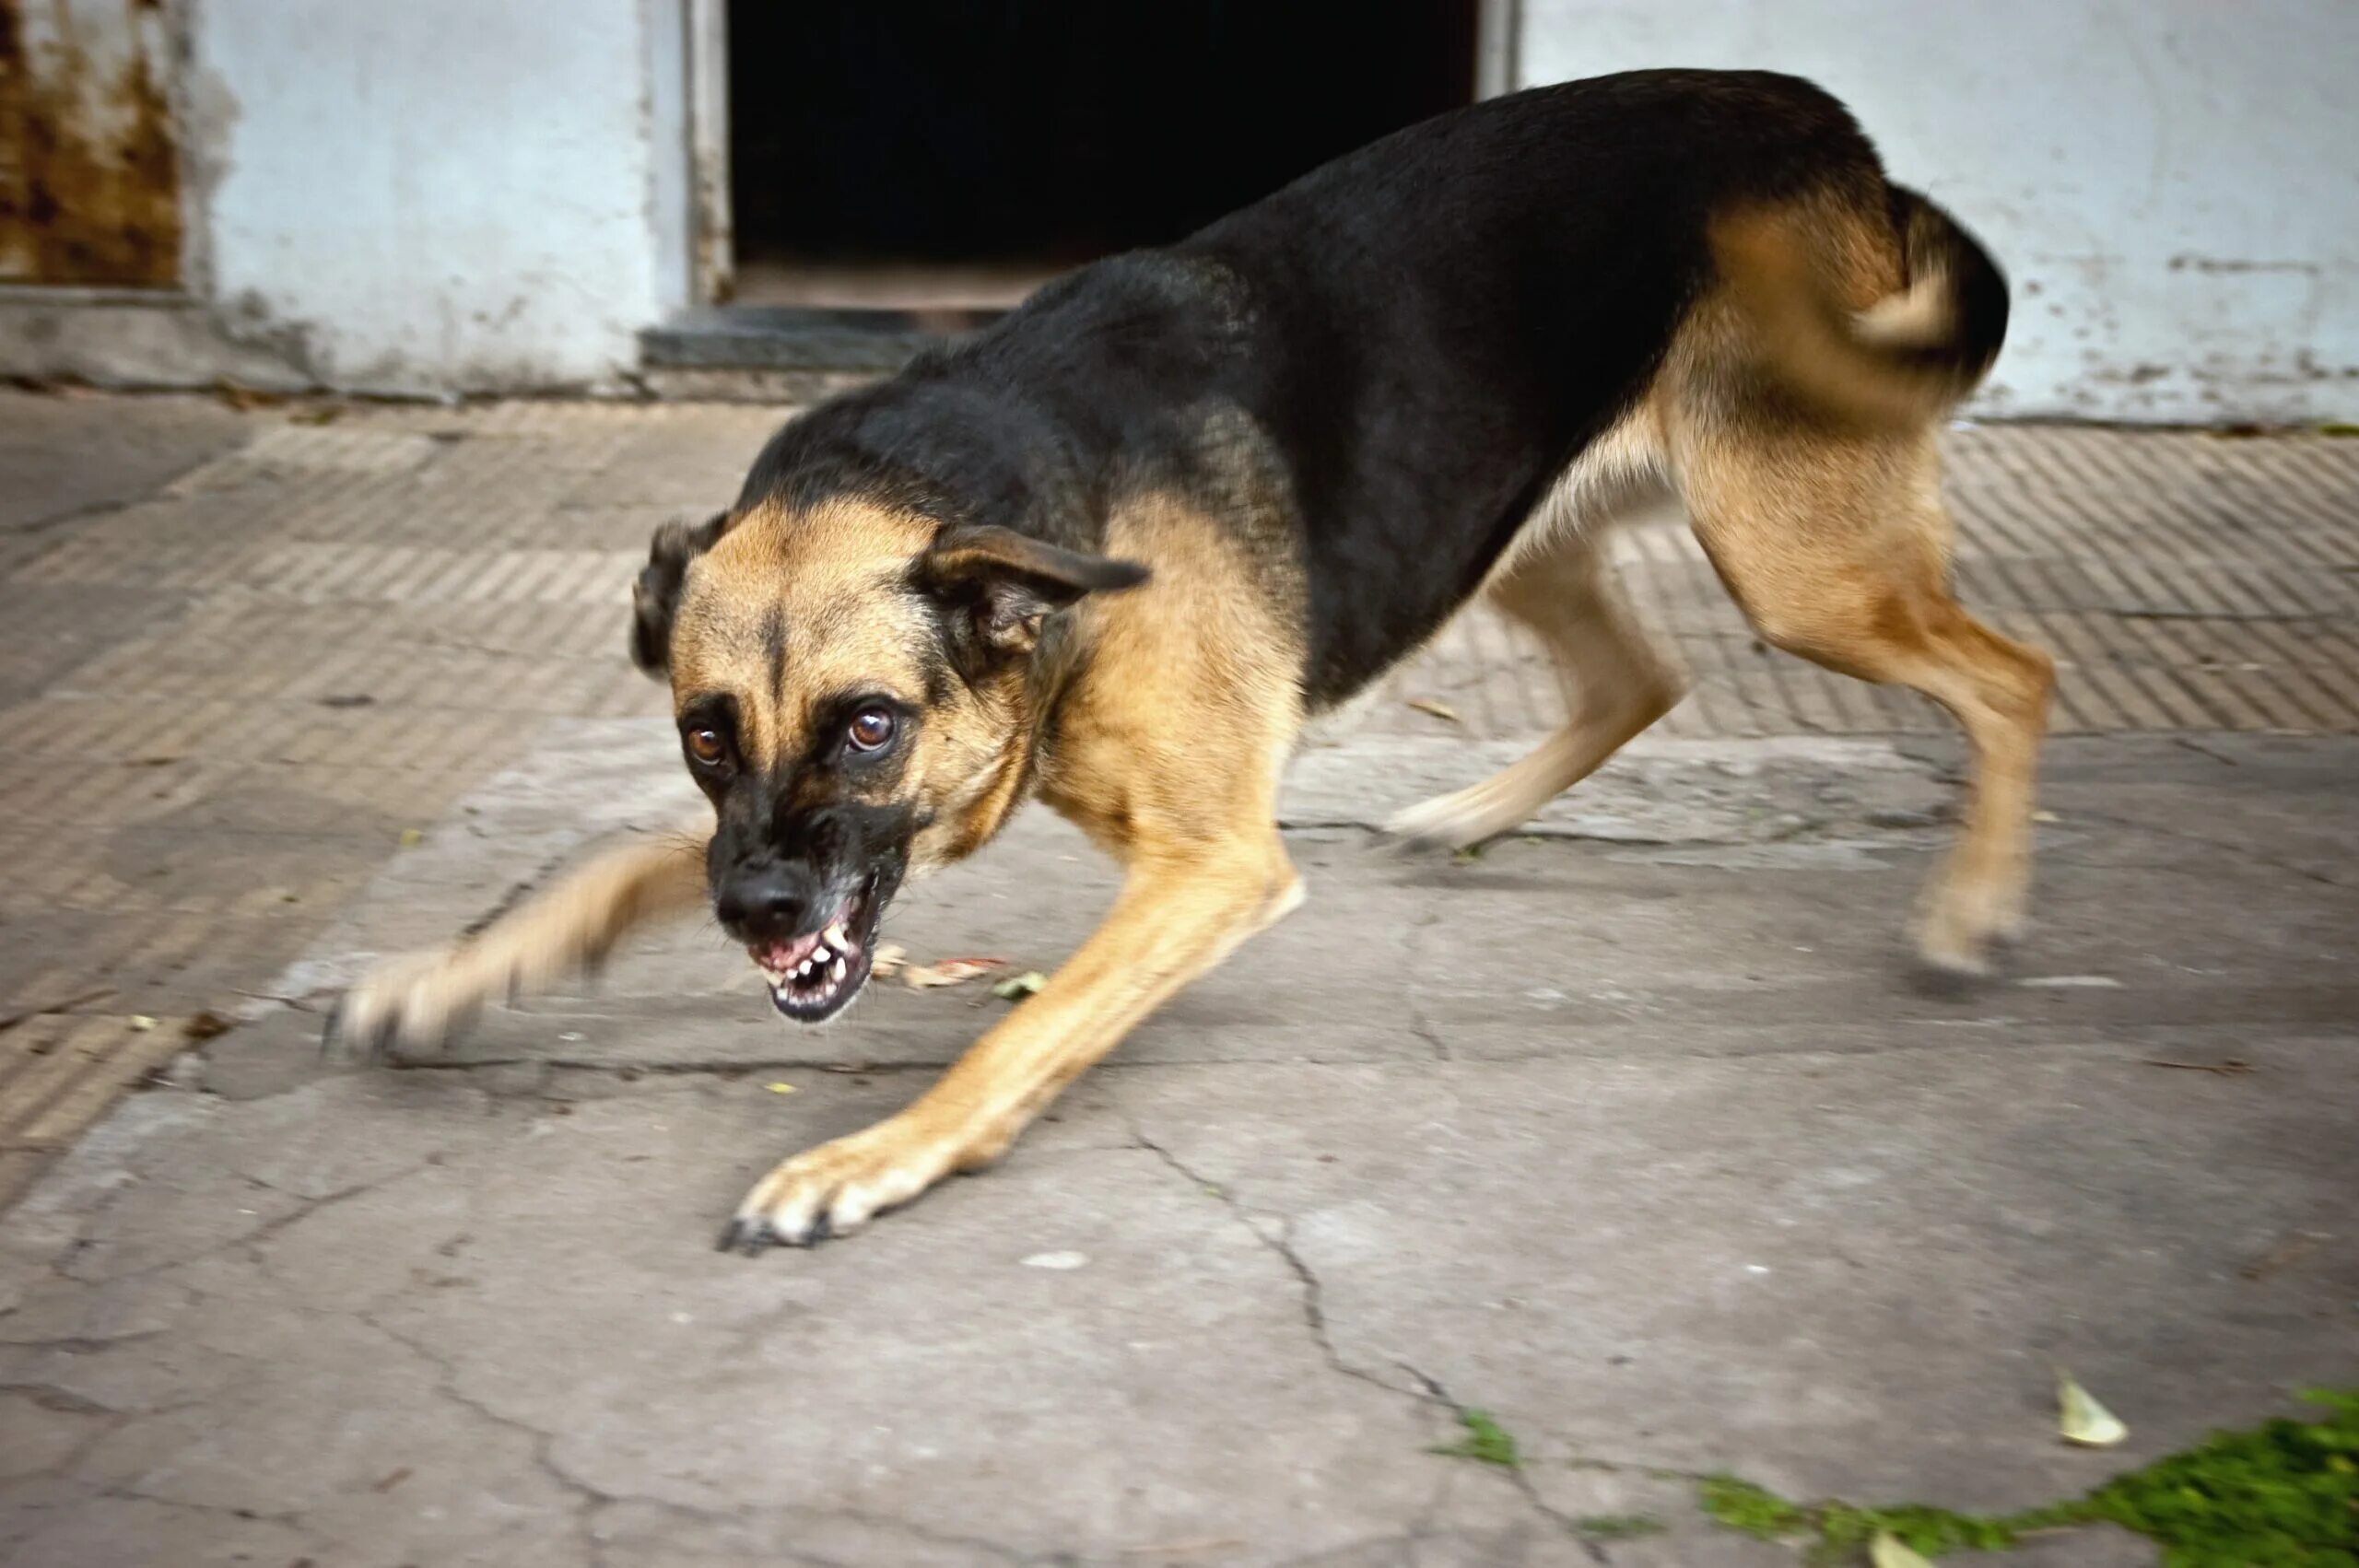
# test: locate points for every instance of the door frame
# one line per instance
(1498, 30)
(712, 219)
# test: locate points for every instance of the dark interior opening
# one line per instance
(1005, 141)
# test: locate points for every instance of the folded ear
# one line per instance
(655, 597)
(998, 583)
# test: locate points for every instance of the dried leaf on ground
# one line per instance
(205, 1026)
(1888, 1550)
(779, 1088)
(949, 972)
(2081, 1420)
(1438, 709)
(2291, 1250)
(1018, 987)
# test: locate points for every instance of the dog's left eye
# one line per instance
(871, 728)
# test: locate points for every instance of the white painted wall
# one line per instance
(2173, 185)
(434, 195)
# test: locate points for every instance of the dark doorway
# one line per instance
(908, 152)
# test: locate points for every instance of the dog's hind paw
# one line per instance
(1958, 938)
(1446, 821)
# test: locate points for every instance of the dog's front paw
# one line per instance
(838, 1187)
(406, 1004)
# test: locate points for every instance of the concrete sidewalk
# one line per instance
(1636, 1133)
(1636, 1138)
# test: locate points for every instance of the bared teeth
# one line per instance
(825, 966)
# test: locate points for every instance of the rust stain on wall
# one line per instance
(89, 171)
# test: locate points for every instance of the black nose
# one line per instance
(764, 901)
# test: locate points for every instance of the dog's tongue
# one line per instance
(784, 956)
(780, 957)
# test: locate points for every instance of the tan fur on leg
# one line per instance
(1171, 923)
(1615, 684)
(1168, 757)
(414, 1002)
(1838, 551)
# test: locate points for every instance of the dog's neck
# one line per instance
(1048, 676)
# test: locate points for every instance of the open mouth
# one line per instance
(812, 976)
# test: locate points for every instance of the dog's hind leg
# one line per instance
(1616, 682)
(1835, 546)
(415, 1000)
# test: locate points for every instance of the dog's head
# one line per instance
(853, 687)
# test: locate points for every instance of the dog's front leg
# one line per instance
(1176, 916)
(413, 1001)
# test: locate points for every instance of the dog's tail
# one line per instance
(1908, 358)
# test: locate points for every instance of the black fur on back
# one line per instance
(1416, 338)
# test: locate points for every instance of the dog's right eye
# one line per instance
(707, 747)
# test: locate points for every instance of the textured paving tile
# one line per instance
(2182, 580)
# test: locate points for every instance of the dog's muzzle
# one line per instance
(812, 976)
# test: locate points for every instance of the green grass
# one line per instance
(1485, 1440)
(2284, 1495)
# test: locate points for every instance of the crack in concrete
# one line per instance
(785, 1554)
(129, 1492)
(253, 1239)
(50, 1396)
(517, 893)
(540, 1444)
(2189, 743)
(2239, 851)
(90, 511)
(64, 1401)
(1419, 1024)
(938, 1538)
(290, 1520)
(742, 1066)
(1427, 1388)
(1516, 1477)
(61, 1263)
(82, 1344)
(1314, 1311)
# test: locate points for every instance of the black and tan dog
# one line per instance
(1114, 551)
